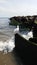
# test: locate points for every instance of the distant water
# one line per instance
(5, 29)
(7, 35)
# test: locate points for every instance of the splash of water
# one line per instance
(28, 35)
(16, 30)
(7, 46)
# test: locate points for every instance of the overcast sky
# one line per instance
(10, 8)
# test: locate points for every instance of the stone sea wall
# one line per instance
(26, 50)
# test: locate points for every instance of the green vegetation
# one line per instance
(14, 22)
(24, 22)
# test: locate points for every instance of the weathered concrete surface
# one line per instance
(26, 50)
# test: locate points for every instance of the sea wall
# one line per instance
(27, 50)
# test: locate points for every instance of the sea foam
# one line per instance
(9, 45)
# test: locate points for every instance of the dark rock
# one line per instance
(35, 30)
(33, 40)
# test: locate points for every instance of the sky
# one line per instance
(10, 8)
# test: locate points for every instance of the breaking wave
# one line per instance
(7, 46)
(27, 35)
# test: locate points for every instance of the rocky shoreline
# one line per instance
(29, 22)
(23, 20)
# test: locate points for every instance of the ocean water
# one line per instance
(7, 35)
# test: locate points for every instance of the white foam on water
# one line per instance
(28, 35)
(16, 30)
(7, 46)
